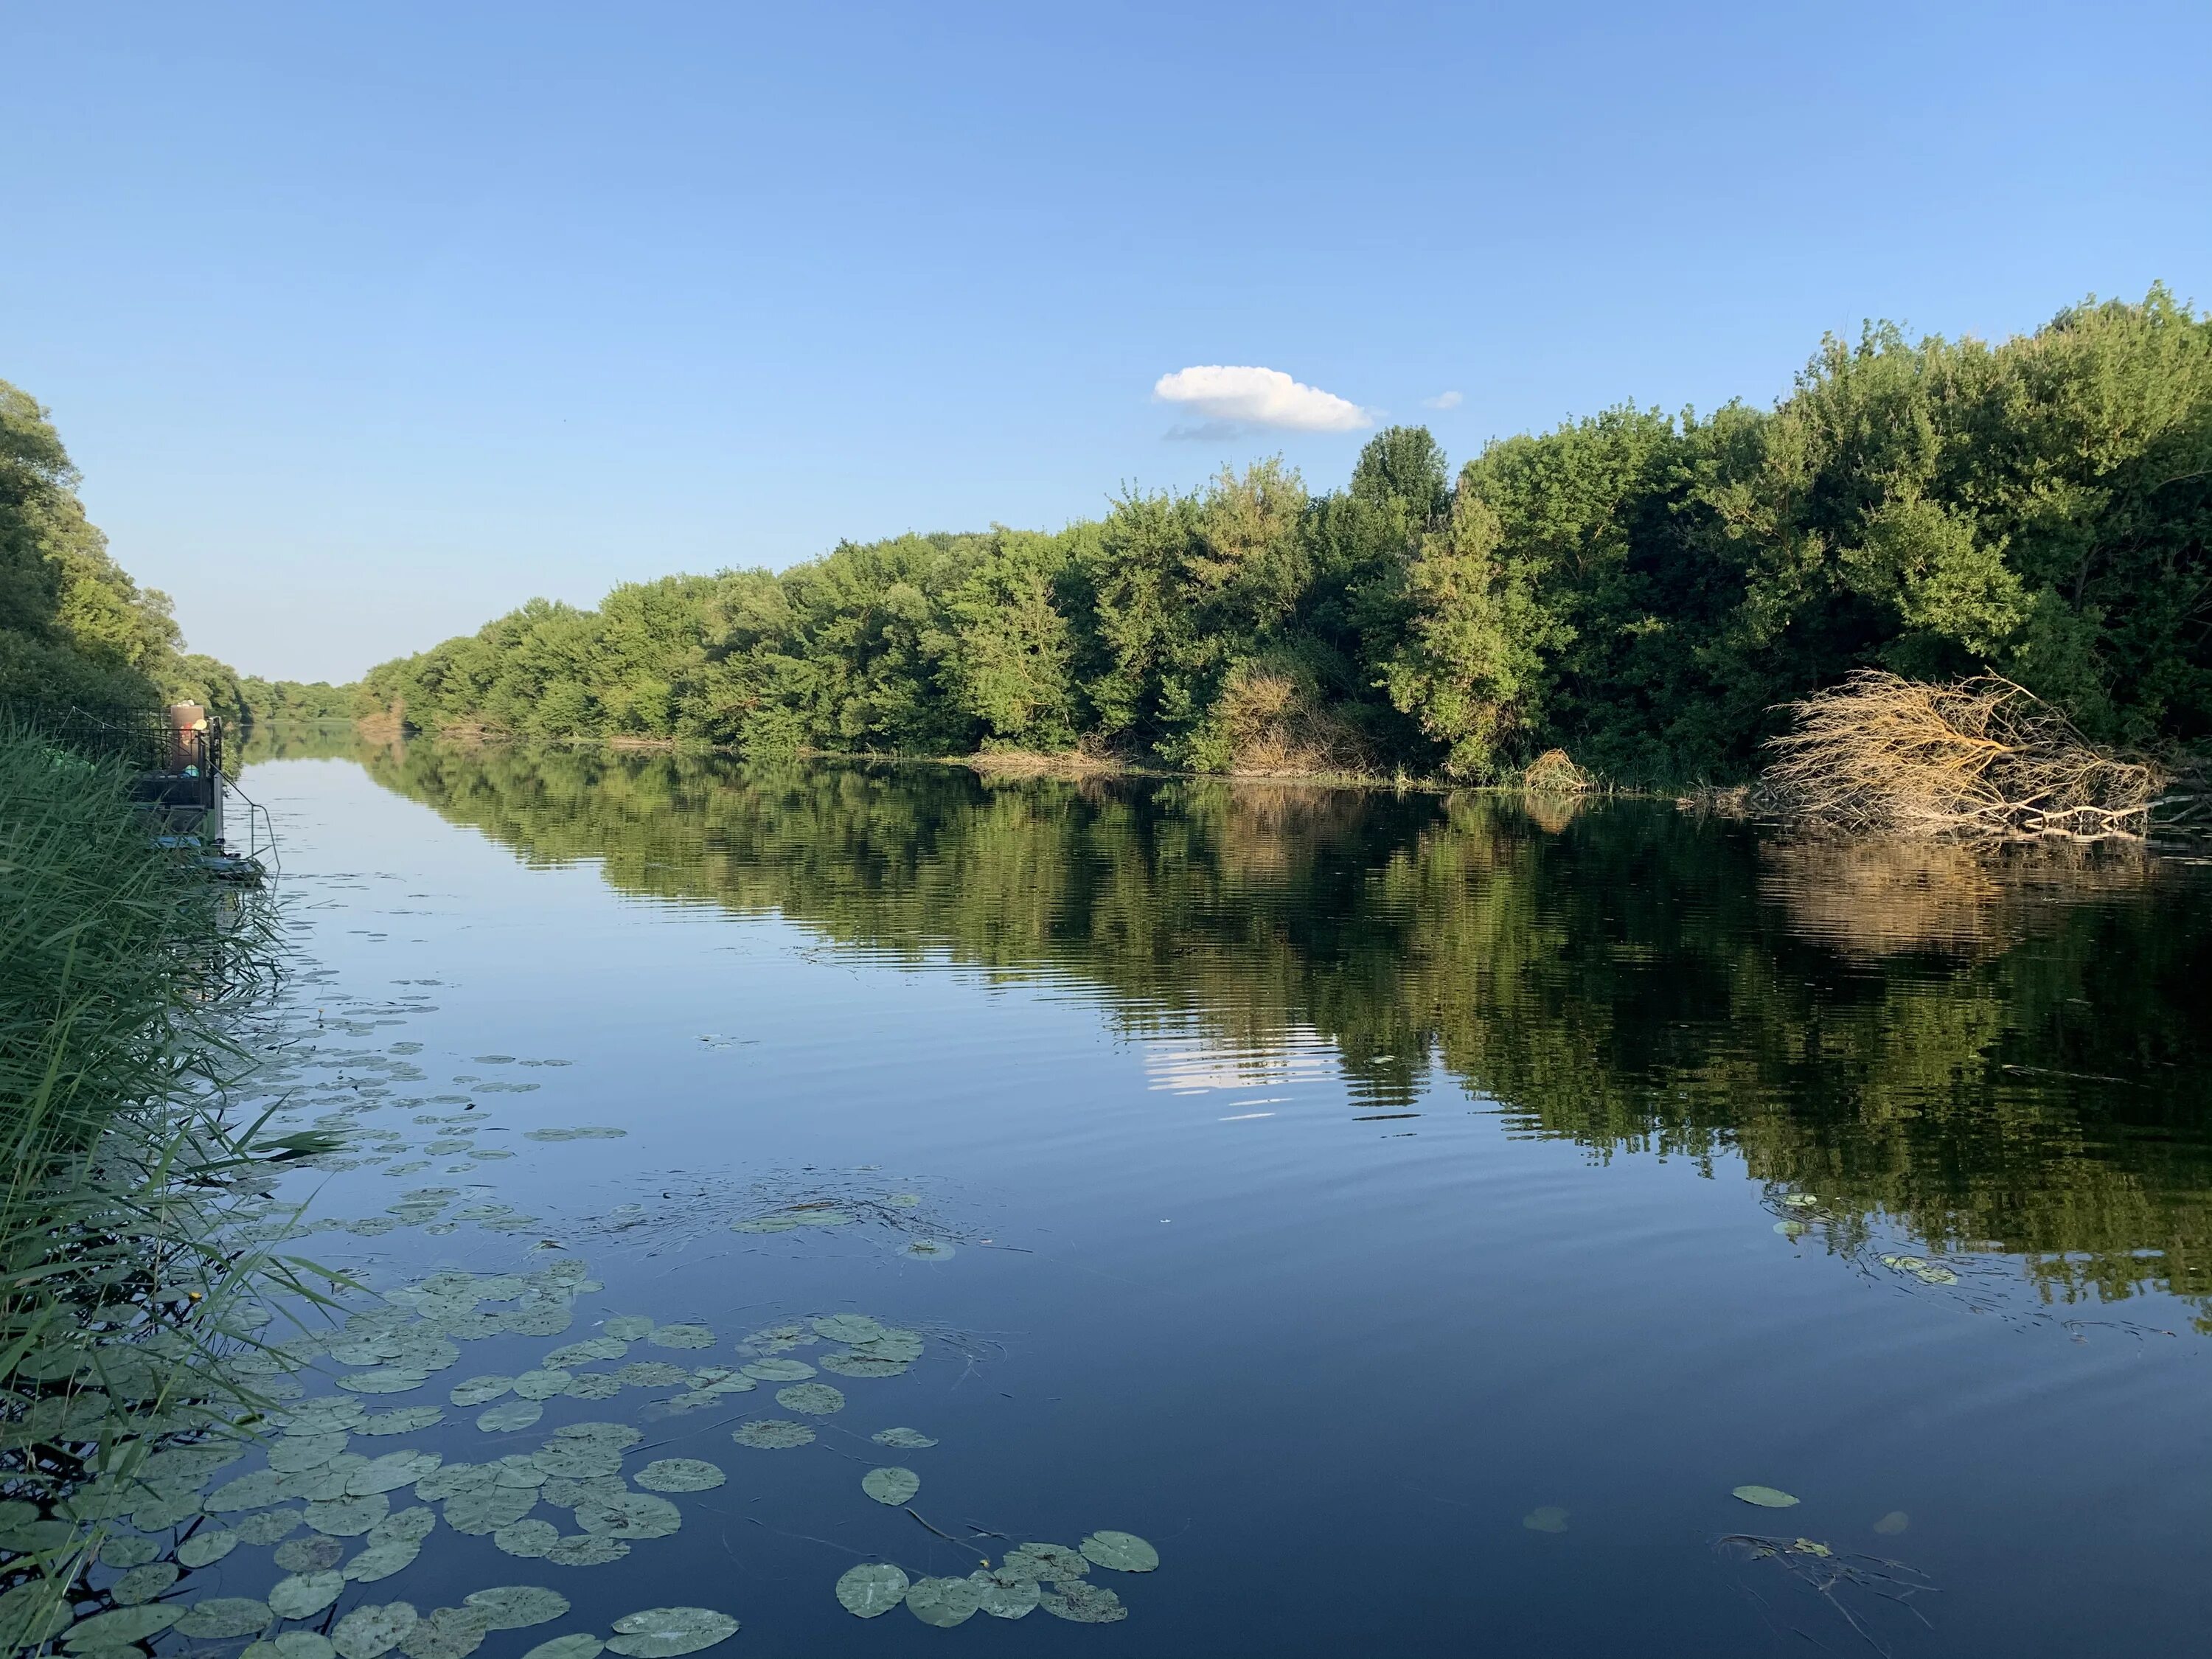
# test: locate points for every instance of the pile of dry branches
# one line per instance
(1554, 772)
(1980, 759)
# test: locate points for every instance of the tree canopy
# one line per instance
(1640, 589)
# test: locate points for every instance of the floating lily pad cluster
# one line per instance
(1800, 1210)
(1920, 1267)
(1031, 1576)
(342, 1512)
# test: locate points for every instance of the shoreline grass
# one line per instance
(122, 1291)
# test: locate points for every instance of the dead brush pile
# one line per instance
(1979, 759)
(1277, 725)
(1554, 772)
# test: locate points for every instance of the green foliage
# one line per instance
(1641, 590)
(263, 700)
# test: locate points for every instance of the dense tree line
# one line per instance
(76, 631)
(1639, 588)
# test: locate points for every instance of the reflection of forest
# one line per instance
(266, 740)
(2007, 1053)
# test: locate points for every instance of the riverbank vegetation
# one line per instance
(1645, 592)
(121, 1285)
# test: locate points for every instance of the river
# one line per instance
(1414, 1218)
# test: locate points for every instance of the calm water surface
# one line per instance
(1414, 1217)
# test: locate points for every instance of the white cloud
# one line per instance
(1444, 400)
(1259, 397)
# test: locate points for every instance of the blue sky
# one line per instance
(367, 322)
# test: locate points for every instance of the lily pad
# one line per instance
(479, 1390)
(665, 1633)
(382, 1558)
(268, 1527)
(633, 1515)
(527, 1539)
(1004, 1595)
(445, 1633)
(1893, 1523)
(144, 1583)
(848, 1327)
(894, 1344)
(34, 1613)
(617, 1437)
(1053, 1561)
(871, 1590)
(292, 1645)
(772, 1434)
(1082, 1603)
(586, 1550)
(296, 1452)
(893, 1486)
(852, 1363)
(489, 1508)
(448, 1479)
(517, 1607)
(314, 1553)
(205, 1548)
(509, 1415)
(542, 1383)
(679, 1474)
(578, 1646)
(348, 1517)
(248, 1491)
(1546, 1517)
(125, 1625)
(410, 1526)
(218, 1617)
(1121, 1551)
(905, 1439)
(814, 1399)
(779, 1370)
(517, 1469)
(944, 1602)
(305, 1593)
(584, 1353)
(627, 1327)
(682, 1336)
(593, 1385)
(371, 1633)
(578, 1460)
(328, 1481)
(400, 1420)
(926, 1249)
(391, 1471)
(383, 1379)
(1767, 1497)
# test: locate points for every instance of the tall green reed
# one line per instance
(123, 1285)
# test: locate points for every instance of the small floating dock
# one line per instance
(177, 782)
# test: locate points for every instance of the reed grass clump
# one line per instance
(1976, 759)
(123, 1285)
